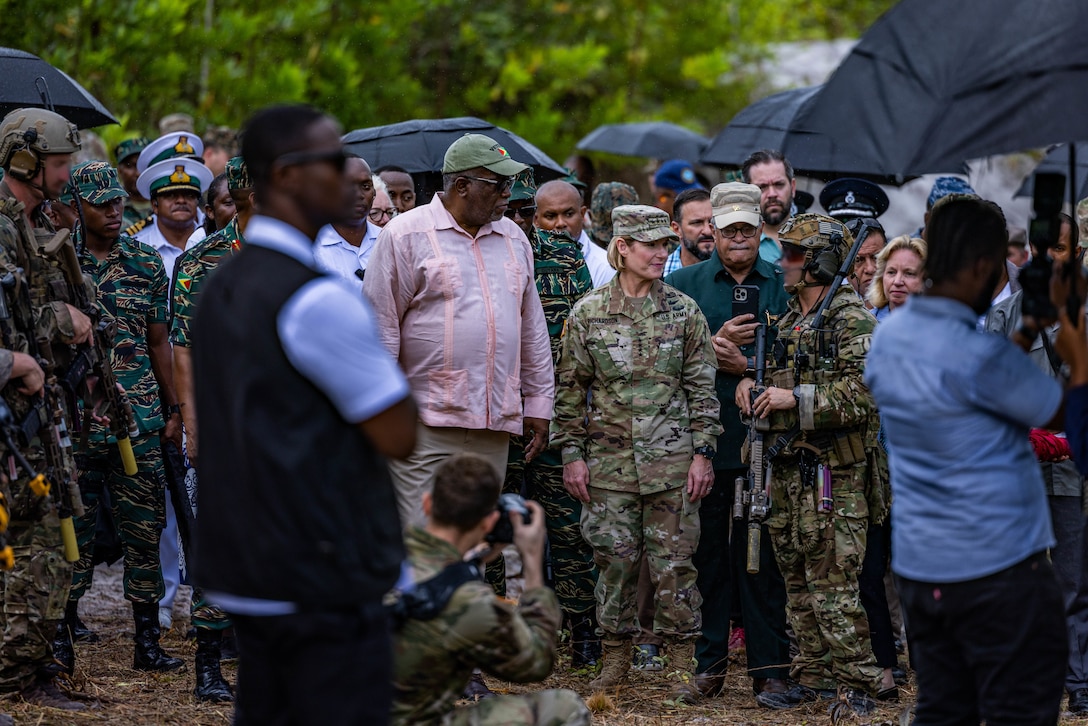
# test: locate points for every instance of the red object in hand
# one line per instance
(1049, 446)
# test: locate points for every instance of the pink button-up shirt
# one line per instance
(462, 316)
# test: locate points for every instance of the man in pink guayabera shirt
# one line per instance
(452, 285)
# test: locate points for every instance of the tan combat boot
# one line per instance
(615, 662)
(681, 666)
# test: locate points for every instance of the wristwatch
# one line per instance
(706, 452)
(172, 409)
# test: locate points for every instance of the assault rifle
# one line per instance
(754, 489)
(93, 358)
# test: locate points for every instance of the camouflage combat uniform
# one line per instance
(648, 367)
(433, 659)
(561, 279)
(194, 267)
(36, 590)
(820, 553)
(132, 289)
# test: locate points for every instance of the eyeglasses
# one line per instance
(376, 214)
(335, 157)
(504, 184)
(747, 232)
(525, 212)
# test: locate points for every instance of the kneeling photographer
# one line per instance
(449, 620)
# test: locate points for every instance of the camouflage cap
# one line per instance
(1082, 221)
(813, 231)
(238, 175)
(97, 182)
(572, 178)
(128, 147)
(524, 186)
(641, 223)
(476, 150)
(735, 202)
(606, 197)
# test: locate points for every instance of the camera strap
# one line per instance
(427, 599)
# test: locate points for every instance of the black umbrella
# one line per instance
(28, 81)
(1056, 161)
(769, 123)
(934, 83)
(652, 139)
(419, 145)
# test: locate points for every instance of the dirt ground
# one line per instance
(121, 695)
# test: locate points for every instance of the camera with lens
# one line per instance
(503, 531)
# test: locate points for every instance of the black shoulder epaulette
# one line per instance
(132, 229)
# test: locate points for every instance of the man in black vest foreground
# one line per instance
(298, 403)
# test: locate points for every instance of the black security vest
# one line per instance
(294, 503)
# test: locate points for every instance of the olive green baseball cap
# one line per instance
(96, 182)
(476, 150)
(128, 147)
(641, 223)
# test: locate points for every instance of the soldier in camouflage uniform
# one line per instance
(132, 289)
(35, 152)
(137, 209)
(606, 197)
(822, 496)
(194, 267)
(434, 652)
(562, 278)
(640, 350)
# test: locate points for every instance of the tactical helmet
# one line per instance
(826, 243)
(28, 134)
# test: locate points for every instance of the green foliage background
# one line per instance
(550, 70)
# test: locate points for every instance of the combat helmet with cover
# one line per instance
(29, 134)
(825, 242)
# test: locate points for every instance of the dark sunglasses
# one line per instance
(335, 157)
(525, 212)
(504, 184)
(793, 254)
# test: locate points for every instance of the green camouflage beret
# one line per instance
(96, 182)
(606, 197)
(128, 147)
(524, 186)
(238, 175)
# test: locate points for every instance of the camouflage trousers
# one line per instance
(139, 513)
(573, 572)
(543, 708)
(34, 595)
(820, 556)
(620, 526)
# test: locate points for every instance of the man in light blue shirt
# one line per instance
(970, 524)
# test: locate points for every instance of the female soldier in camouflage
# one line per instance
(636, 417)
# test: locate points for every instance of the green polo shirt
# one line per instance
(711, 286)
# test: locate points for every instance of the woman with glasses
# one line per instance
(382, 209)
(636, 418)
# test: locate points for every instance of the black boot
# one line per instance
(148, 655)
(210, 684)
(63, 652)
(80, 632)
(585, 644)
